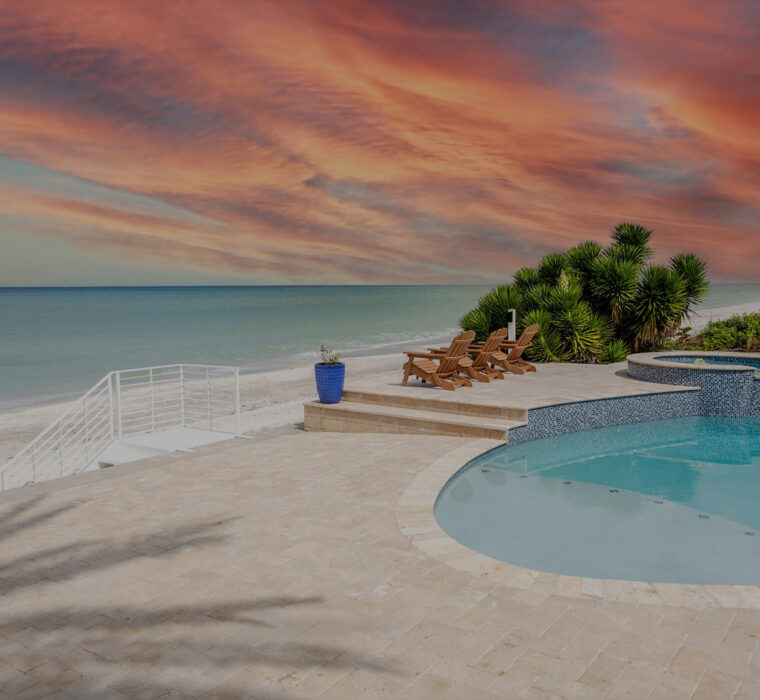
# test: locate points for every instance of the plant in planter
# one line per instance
(330, 375)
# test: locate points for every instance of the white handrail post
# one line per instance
(86, 429)
(237, 400)
(152, 403)
(117, 377)
(110, 404)
(182, 392)
(96, 419)
(208, 400)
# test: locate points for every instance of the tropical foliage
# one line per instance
(594, 304)
(735, 333)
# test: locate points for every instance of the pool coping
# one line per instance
(416, 520)
(654, 359)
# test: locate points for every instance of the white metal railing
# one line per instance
(129, 402)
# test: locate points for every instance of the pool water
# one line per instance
(724, 360)
(664, 501)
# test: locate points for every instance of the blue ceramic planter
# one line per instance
(330, 380)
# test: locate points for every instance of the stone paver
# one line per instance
(276, 569)
(554, 383)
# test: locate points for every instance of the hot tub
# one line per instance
(729, 381)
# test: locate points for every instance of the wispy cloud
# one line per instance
(392, 141)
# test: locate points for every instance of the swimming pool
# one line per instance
(665, 501)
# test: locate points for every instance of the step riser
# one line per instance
(449, 407)
(333, 419)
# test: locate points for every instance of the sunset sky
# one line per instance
(297, 141)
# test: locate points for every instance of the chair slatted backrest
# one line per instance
(457, 350)
(492, 344)
(523, 342)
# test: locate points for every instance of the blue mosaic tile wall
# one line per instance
(600, 413)
(722, 393)
(719, 393)
(754, 409)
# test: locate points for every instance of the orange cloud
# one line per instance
(348, 141)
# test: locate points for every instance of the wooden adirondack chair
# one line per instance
(440, 368)
(513, 361)
(480, 368)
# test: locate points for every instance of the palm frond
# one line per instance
(635, 235)
(551, 267)
(658, 307)
(693, 271)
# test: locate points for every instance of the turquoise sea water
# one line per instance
(59, 341)
(669, 501)
(728, 294)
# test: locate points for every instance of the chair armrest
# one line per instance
(431, 355)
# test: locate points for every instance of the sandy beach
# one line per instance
(699, 319)
(273, 399)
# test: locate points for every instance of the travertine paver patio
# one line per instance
(553, 383)
(276, 569)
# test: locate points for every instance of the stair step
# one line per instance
(121, 451)
(358, 417)
(438, 405)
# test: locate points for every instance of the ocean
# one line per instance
(57, 342)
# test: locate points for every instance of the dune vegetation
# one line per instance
(739, 332)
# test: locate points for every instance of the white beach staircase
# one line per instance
(132, 414)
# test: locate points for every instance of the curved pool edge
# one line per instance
(416, 521)
(656, 359)
(724, 390)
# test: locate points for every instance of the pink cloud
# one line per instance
(347, 142)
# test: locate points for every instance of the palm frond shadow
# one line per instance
(91, 644)
(71, 560)
(11, 522)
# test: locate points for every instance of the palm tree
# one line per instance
(498, 302)
(633, 241)
(694, 273)
(551, 267)
(613, 286)
(548, 345)
(658, 307)
(479, 321)
(580, 261)
(525, 278)
(592, 303)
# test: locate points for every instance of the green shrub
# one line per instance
(594, 303)
(616, 351)
(479, 321)
(740, 332)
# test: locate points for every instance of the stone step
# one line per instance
(456, 405)
(358, 417)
